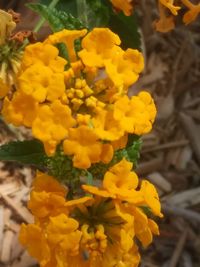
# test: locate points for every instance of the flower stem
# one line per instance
(42, 20)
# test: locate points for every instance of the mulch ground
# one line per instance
(170, 156)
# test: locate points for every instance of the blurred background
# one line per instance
(170, 156)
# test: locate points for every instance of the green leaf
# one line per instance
(58, 20)
(92, 13)
(127, 29)
(97, 14)
(68, 6)
(133, 148)
(29, 152)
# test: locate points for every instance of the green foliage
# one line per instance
(97, 14)
(58, 20)
(68, 6)
(127, 29)
(133, 148)
(89, 14)
(29, 152)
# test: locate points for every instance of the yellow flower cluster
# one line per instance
(166, 22)
(97, 230)
(167, 10)
(80, 103)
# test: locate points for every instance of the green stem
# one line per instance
(42, 20)
(82, 11)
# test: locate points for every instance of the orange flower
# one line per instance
(120, 183)
(43, 204)
(125, 5)
(4, 88)
(41, 82)
(106, 127)
(170, 5)
(47, 55)
(151, 198)
(98, 45)
(52, 124)
(144, 227)
(137, 114)
(21, 110)
(32, 237)
(44, 182)
(62, 232)
(192, 13)
(83, 144)
(67, 37)
(124, 67)
(165, 23)
(47, 197)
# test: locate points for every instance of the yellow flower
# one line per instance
(119, 183)
(144, 227)
(98, 45)
(124, 68)
(10, 53)
(165, 23)
(52, 124)
(7, 26)
(125, 5)
(170, 5)
(62, 233)
(105, 125)
(47, 197)
(33, 238)
(101, 49)
(44, 204)
(54, 242)
(44, 182)
(4, 88)
(95, 241)
(79, 202)
(120, 143)
(46, 54)
(42, 82)
(119, 178)
(137, 114)
(151, 198)
(83, 144)
(107, 238)
(67, 37)
(191, 14)
(21, 110)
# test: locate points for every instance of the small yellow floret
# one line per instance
(83, 144)
(52, 124)
(21, 110)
